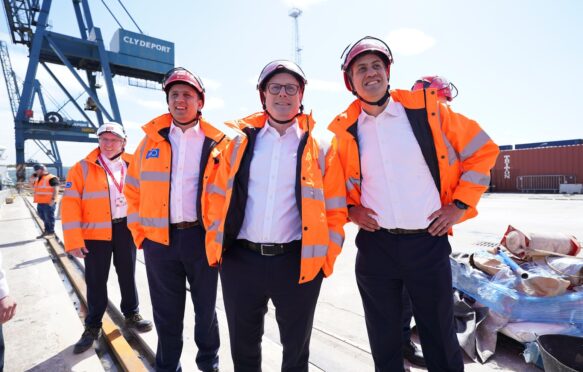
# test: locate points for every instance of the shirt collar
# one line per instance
(393, 109)
(195, 131)
(268, 128)
(112, 163)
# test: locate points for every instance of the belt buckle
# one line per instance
(261, 246)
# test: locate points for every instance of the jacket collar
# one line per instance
(257, 120)
(92, 157)
(344, 122)
(157, 129)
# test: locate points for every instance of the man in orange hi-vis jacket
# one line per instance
(276, 214)
(413, 168)
(94, 216)
(172, 166)
(46, 189)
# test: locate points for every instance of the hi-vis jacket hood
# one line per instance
(457, 151)
(86, 208)
(320, 196)
(148, 182)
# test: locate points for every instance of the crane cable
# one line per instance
(110, 12)
(129, 15)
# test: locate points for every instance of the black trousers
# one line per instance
(407, 316)
(249, 280)
(168, 269)
(386, 263)
(97, 264)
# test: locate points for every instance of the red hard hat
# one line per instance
(445, 89)
(277, 66)
(367, 44)
(182, 75)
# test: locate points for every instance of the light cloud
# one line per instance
(154, 105)
(211, 84)
(302, 4)
(324, 86)
(409, 41)
(130, 124)
(213, 103)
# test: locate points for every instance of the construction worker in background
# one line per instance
(446, 91)
(413, 169)
(7, 309)
(173, 164)
(94, 217)
(46, 189)
(276, 211)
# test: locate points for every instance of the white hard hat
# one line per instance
(112, 127)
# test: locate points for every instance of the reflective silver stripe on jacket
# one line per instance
(311, 251)
(71, 193)
(154, 222)
(336, 238)
(71, 225)
(312, 193)
(474, 145)
(95, 195)
(214, 189)
(84, 168)
(476, 177)
(154, 176)
(132, 181)
(96, 225)
(452, 156)
(335, 203)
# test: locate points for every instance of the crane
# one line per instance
(132, 54)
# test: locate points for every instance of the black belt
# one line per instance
(270, 249)
(184, 225)
(118, 220)
(398, 231)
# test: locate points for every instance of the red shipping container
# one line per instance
(514, 169)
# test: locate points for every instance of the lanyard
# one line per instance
(118, 186)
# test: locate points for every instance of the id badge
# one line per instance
(120, 201)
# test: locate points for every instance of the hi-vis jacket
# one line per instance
(457, 151)
(147, 187)
(319, 190)
(86, 208)
(43, 191)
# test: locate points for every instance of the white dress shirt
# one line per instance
(186, 153)
(118, 210)
(396, 181)
(271, 213)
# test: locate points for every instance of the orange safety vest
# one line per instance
(320, 195)
(457, 151)
(148, 181)
(85, 207)
(43, 191)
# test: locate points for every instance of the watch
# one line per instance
(460, 204)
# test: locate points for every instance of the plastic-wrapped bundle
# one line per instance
(515, 305)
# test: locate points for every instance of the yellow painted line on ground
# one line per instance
(124, 353)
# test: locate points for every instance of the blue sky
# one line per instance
(516, 63)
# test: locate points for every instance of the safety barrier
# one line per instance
(542, 183)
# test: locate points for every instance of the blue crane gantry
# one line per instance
(131, 54)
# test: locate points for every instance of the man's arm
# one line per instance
(336, 212)
(7, 303)
(132, 194)
(477, 155)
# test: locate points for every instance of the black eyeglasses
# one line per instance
(290, 89)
